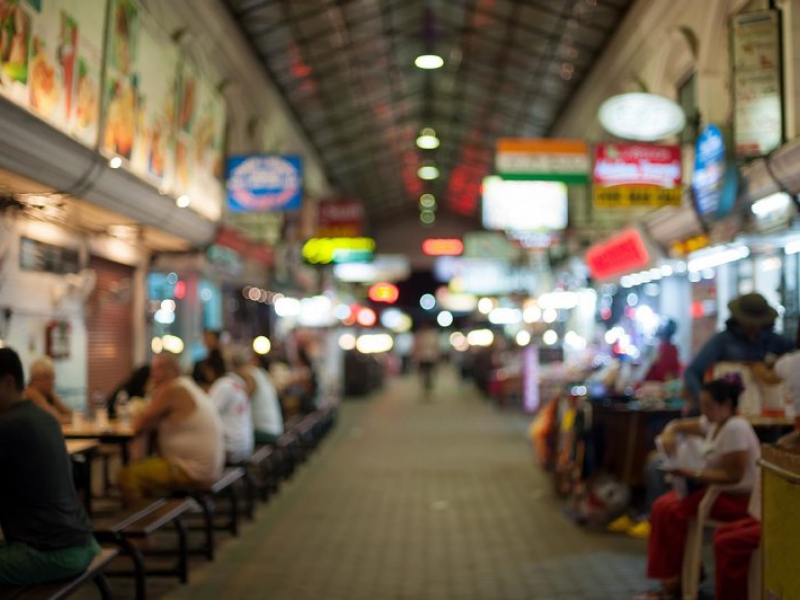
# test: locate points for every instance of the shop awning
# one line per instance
(33, 149)
(252, 251)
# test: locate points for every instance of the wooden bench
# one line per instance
(64, 589)
(140, 524)
(263, 466)
(225, 486)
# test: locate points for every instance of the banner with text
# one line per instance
(543, 159)
(636, 176)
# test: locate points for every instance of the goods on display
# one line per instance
(51, 57)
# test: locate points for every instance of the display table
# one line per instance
(624, 436)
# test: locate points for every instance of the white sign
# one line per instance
(641, 117)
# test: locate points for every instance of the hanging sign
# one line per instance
(636, 176)
(340, 218)
(758, 105)
(641, 117)
(620, 254)
(543, 159)
(714, 181)
(258, 183)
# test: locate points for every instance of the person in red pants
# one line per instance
(731, 451)
(734, 544)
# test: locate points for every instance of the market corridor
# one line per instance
(408, 499)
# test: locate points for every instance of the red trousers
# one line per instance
(734, 544)
(669, 520)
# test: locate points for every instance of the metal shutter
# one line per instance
(109, 323)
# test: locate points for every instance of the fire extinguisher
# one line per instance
(58, 338)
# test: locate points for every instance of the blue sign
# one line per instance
(715, 181)
(262, 183)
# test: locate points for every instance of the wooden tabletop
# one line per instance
(81, 446)
(758, 421)
(89, 429)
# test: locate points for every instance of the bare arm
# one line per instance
(157, 410)
(63, 409)
(687, 426)
(730, 471)
(39, 400)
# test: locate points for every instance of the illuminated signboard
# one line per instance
(258, 183)
(543, 159)
(324, 251)
(641, 117)
(384, 292)
(340, 218)
(620, 254)
(636, 175)
(443, 247)
(524, 205)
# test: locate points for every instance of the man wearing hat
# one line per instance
(748, 337)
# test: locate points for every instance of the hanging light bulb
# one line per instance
(428, 172)
(429, 61)
(427, 201)
(427, 139)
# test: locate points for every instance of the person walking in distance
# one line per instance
(427, 350)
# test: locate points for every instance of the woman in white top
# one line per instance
(731, 450)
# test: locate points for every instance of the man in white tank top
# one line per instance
(189, 433)
(264, 403)
(229, 395)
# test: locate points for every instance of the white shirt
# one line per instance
(229, 395)
(266, 408)
(788, 368)
(736, 435)
(194, 443)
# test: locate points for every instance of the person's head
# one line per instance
(719, 399)
(240, 357)
(12, 379)
(752, 313)
(211, 338)
(43, 375)
(165, 367)
(667, 330)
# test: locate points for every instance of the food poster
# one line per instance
(153, 156)
(206, 188)
(122, 78)
(50, 60)
(184, 146)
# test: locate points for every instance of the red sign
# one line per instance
(235, 240)
(340, 218)
(443, 247)
(620, 254)
(637, 164)
(384, 292)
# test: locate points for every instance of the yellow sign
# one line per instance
(635, 196)
(689, 245)
(323, 251)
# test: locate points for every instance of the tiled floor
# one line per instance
(410, 499)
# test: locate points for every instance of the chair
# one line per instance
(754, 576)
(692, 552)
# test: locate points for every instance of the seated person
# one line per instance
(229, 395)
(264, 404)
(212, 367)
(732, 450)
(189, 436)
(138, 385)
(41, 390)
(47, 533)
